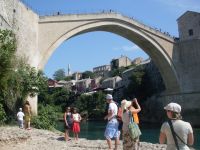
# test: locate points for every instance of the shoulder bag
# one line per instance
(175, 135)
(133, 127)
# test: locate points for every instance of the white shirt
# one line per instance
(182, 129)
(20, 115)
(76, 117)
(113, 108)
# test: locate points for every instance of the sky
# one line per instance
(89, 50)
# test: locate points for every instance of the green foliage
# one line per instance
(7, 51)
(88, 74)
(17, 78)
(94, 105)
(46, 118)
(134, 87)
(59, 75)
(68, 78)
(2, 115)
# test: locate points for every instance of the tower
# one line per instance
(68, 70)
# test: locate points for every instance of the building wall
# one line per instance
(24, 23)
(102, 70)
(123, 61)
(189, 21)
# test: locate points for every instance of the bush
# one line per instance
(2, 115)
(46, 118)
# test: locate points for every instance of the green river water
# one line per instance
(94, 130)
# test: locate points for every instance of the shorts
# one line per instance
(112, 129)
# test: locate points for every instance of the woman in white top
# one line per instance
(182, 129)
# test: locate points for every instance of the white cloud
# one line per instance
(183, 4)
(128, 48)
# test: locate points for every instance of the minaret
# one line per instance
(68, 70)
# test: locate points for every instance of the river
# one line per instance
(94, 130)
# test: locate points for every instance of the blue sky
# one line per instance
(93, 49)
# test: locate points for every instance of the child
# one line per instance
(76, 123)
(20, 118)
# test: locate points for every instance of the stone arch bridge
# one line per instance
(53, 30)
(177, 60)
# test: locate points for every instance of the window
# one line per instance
(190, 32)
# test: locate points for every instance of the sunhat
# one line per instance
(173, 107)
(125, 104)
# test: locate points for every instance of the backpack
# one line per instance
(119, 114)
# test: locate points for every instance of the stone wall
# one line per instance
(188, 54)
(15, 16)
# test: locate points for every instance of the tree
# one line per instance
(59, 75)
(134, 87)
(88, 74)
(7, 53)
(17, 79)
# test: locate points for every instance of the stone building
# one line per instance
(189, 25)
(123, 61)
(102, 70)
(113, 82)
(95, 83)
(137, 61)
(77, 75)
(83, 85)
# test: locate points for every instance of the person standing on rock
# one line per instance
(27, 111)
(20, 118)
(112, 125)
(128, 110)
(68, 123)
(76, 123)
(176, 132)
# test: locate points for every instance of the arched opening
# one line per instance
(142, 39)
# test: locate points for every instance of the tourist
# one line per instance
(181, 129)
(135, 113)
(76, 117)
(20, 118)
(68, 122)
(27, 112)
(112, 125)
(128, 110)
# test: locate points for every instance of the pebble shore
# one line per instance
(13, 138)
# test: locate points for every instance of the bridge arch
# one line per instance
(158, 46)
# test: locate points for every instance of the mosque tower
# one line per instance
(68, 70)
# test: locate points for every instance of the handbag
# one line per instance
(134, 129)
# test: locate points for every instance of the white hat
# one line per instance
(109, 96)
(173, 107)
(125, 104)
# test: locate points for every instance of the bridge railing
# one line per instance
(43, 13)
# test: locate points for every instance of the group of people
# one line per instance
(25, 113)
(176, 133)
(71, 123)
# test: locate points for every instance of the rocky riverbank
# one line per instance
(13, 138)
